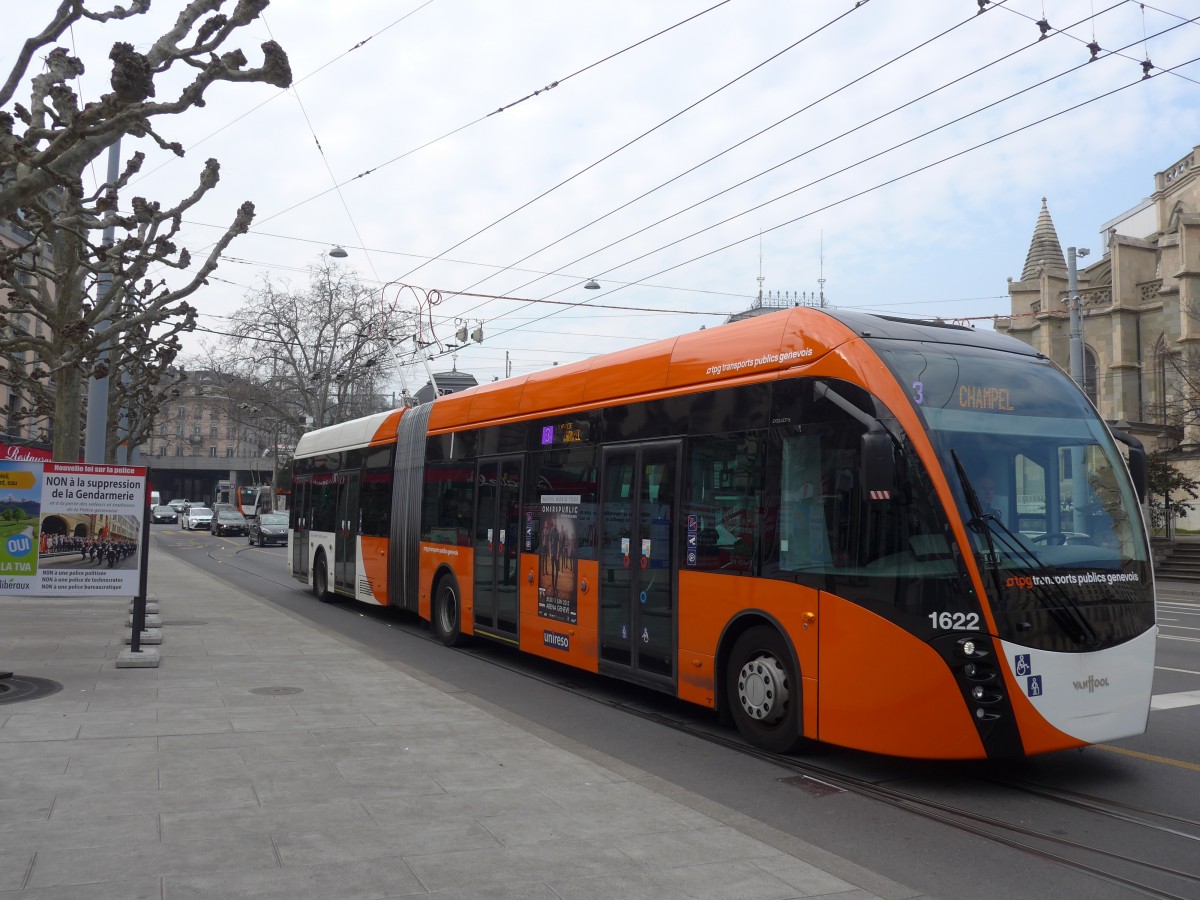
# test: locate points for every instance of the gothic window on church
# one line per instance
(1165, 378)
(1091, 377)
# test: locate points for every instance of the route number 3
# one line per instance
(954, 621)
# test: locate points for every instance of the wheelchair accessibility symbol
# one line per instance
(1022, 665)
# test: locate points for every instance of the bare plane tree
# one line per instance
(314, 356)
(72, 289)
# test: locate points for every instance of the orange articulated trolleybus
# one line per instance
(902, 537)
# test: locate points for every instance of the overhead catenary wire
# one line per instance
(639, 282)
(295, 91)
(714, 157)
(833, 174)
(914, 100)
(791, 159)
(1144, 41)
(276, 96)
(875, 187)
(476, 121)
(857, 6)
(741, 295)
(337, 186)
(429, 259)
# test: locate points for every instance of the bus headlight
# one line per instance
(973, 647)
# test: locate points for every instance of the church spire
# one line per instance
(1044, 250)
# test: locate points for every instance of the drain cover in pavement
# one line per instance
(16, 688)
(277, 690)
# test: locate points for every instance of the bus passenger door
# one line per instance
(345, 548)
(301, 494)
(497, 540)
(637, 564)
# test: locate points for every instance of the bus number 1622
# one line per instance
(948, 621)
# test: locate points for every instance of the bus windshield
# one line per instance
(1053, 519)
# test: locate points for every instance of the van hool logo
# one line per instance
(1091, 684)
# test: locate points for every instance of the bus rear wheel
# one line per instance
(445, 613)
(763, 691)
(321, 581)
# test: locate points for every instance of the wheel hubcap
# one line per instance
(763, 689)
(449, 612)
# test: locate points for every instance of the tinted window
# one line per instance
(723, 502)
(895, 555)
(448, 499)
(564, 479)
(375, 502)
(324, 503)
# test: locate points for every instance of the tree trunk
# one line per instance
(68, 413)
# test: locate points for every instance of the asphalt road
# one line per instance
(1156, 773)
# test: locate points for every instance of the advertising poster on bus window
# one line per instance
(70, 528)
(558, 553)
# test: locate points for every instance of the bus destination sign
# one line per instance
(570, 431)
(972, 396)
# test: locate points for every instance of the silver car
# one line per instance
(197, 517)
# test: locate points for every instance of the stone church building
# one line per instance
(1140, 305)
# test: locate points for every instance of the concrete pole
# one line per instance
(1079, 488)
(97, 412)
(1076, 314)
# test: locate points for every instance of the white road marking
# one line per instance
(1175, 701)
(1169, 669)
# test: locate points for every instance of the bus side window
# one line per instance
(724, 501)
(573, 472)
(324, 501)
(803, 529)
(449, 497)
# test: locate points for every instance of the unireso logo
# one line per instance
(556, 640)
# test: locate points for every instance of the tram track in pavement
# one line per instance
(1140, 876)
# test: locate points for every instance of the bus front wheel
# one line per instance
(321, 581)
(445, 614)
(763, 691)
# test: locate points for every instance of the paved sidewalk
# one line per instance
(371, 781)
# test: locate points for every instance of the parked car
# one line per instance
(197, 517)
(163, 514)
(179, 505)
(269, 528)
(227, 520)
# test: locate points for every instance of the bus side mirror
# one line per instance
(1138, 467)
(878, 463)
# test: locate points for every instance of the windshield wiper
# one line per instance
(978, 520)
(1052, 596)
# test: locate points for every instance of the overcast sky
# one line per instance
(385, 146)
